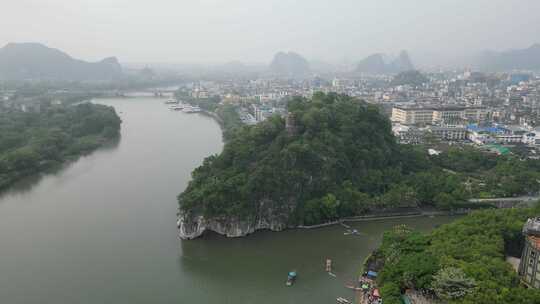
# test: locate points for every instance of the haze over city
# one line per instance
(216, 31)
(270, 151)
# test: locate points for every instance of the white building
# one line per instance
(453, 133)
(412, 115)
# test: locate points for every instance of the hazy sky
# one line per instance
(183, 31)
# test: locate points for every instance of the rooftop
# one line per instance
(435, 107)
(532, 227)
(535, 241)
(488, 129)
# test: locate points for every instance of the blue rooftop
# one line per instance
(476, 128)
(372, 274)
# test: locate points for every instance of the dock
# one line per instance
(344, 225)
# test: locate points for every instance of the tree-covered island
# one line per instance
(34, 141)
(335, 157)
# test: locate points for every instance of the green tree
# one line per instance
(444, 201)
(400, 196)
(33, 142)
(329, 207)
(391, 293)
(352, 201)
(452, 283)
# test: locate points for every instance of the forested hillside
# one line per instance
(462, 262)
(340, 159)
(33, 142)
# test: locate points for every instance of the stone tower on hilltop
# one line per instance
(290, 124)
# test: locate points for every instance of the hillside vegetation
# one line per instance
(461, 262)
(342, 160)
(33, 142)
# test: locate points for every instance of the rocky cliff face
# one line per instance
(191, 226)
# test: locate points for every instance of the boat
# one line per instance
(341, 300)
(171, 101)
(291, 278)
(351, 232)
(187, 109)
(191, 109)
(353, 287)
(178, 107)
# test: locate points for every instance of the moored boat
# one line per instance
(177, 107)
(191, 109)
(291, 278)
(341, 300)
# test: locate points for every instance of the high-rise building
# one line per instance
(413, 115)
(529, 267)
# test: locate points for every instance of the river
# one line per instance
(102, 229)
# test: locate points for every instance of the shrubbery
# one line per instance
(32, 142)
(461, 262)
(343, 161)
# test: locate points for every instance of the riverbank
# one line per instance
(426, 262)
(227, 118)
(226, 115)
(473, 205)
(35, 142)
(104, 226)
(401, 213)
(387, 216)
(237, 229)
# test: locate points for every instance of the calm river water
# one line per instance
(102, 230)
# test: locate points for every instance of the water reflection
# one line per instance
(26, 184)
(103, 230)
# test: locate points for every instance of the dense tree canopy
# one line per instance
(461, 262)
(229, 120)
(342, 160)
(342, 148)
(32, 142)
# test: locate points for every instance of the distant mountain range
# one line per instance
(34, 61)
(519, 59)
(379, 64)
(289, 64)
